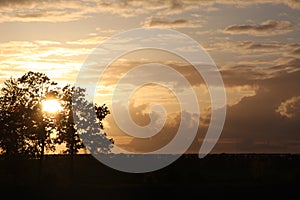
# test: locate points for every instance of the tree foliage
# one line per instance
(27, 131)
(22, 126)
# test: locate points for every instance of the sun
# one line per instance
(51, 106)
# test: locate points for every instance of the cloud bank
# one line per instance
(266, 28)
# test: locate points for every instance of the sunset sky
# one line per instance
(255, 45)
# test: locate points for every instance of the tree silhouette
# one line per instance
(24, 132)
(67, 130)
(25, 129)
(71, 133)
(12, 139)
(89, 123)
(88, 118)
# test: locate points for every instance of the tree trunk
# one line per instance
(40, 169)
(72, 151)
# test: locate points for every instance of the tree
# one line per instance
(38, 87)
(67, 132)
(12, 141)
(81, 119)
(72, 131)
(23, 128)
(24, 131)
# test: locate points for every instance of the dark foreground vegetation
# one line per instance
(242, 176)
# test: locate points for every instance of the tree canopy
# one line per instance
(26, 130)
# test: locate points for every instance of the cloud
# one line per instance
(295, 52)
(256, 121)
(72, 10)
(165, 135)
(88, 41)
(266, 28)
(293, 4)
(179, 23)
(252, 75)
(35, 10)
(252, 53)
(254, 124)
(62, 11)
(290, 107)
(260, 117)
(262, 46)
(57, 60)
(248, 46)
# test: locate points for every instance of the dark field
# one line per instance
(239, 176)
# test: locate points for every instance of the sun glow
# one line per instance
(51, 106)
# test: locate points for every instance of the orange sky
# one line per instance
(255, 45)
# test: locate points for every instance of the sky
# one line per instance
(254, 44)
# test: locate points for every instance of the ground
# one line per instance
(245, 176)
